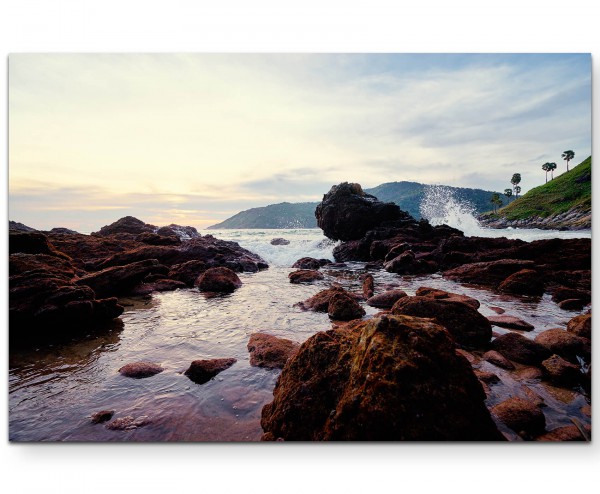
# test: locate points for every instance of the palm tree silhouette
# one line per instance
(568, 156)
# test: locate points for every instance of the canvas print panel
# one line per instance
(299, 247)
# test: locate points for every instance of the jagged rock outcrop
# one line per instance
(389, 378)
(348, 213)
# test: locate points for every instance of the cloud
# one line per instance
(206, 133)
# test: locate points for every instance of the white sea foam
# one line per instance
(441, 207)
(309, 242)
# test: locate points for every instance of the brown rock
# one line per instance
(581, 326)
(528, 373)
(280, 241)
(386, 300)
(102, 416)
(128, 423)
(486, 377)
(498, 360)
(510, 322)
(572, 304)
(140, 370)
(520, 349)
(435, 293)
(466, 325)
(563, 293)
(383, 379)
(561, 372)
(320, 301)
(220, 280)
(161, 285)
(305, 276)
(497, 310)
(521, 416)
(128, 224)
(120, 280)
(564, 433)
(188, 272)
(524, 282)
(565, 344)
(487, 273)
(468, 355)
(368, 286)
(343, 307)
(307, 263)
(202, 371)
(270, 351)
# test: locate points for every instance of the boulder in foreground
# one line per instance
(389, 378)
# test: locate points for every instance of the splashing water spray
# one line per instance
(440, 206)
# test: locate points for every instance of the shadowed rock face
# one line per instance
(347, 213)
(389, 378)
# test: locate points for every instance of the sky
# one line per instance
(193, 139)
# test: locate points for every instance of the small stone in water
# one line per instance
(102, 416)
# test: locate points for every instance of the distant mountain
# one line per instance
(283, 215)
(407, 195)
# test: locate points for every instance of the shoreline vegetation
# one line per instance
(368, 378)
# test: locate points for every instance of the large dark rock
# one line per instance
(320, 301)
(347, 213)
(436, 293)
(561, 372)
(188, 272)
(524, 282)
(32, 242)
(120, 280)
(389, 378)
(44, 302)
(465, 324)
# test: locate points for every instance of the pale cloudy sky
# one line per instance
(193, 139)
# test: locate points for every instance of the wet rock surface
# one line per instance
(343, 307)
(387, 299)
(270, 351)
(565, 344)
(347, 213)
(510, 322)
(202, 371)
(522, 416)
(382, 379)
(520, 349)
(581, 326)
(140, 370)
(220, 280)
(305, 276)
(465, 324)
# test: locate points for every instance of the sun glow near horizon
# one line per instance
(201, 137)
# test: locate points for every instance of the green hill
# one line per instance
(569, 194)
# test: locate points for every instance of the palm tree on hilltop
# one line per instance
(546, 168)
(568, 156)
(515, 180)
(551, 168)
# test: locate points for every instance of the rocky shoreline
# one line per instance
(574, 219)
(427, 366)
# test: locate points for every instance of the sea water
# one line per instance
(53, 389)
